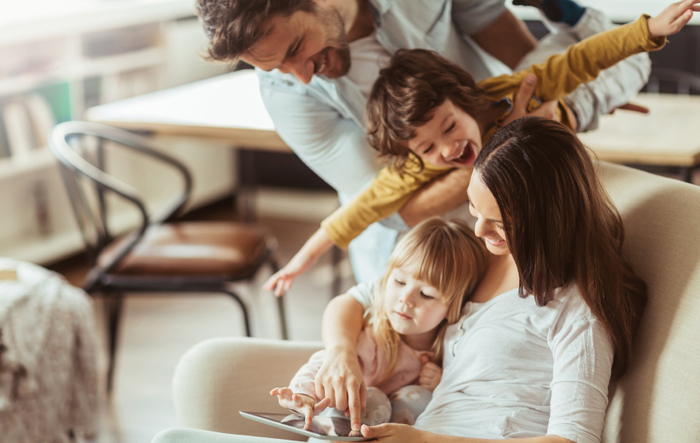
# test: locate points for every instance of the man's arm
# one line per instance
(494, 28)
(507, 39)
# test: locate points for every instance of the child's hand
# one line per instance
(430, 374)
(672, 19)
(282, 280)
(300, 403)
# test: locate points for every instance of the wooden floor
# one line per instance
(157, 330)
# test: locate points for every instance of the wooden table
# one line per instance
(668, 136)
(225, 108)
(229, 108)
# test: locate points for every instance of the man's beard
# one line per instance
(337, 44)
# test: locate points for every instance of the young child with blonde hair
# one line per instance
(432, 272)
(428, 116)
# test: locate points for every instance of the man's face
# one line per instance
(304, 44)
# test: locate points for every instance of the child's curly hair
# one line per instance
(405, 95)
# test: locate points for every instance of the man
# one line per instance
(317, 60)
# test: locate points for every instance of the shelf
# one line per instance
(36, 160)
(27, 82)
(81, 68)
(145, 58)
(46, 19)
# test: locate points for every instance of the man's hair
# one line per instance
(407, 92)
(561, 226)
(234, 26)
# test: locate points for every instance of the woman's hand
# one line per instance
(340, 380)
(672, 19)
(393, 433)
(430, 374)
(301, 403)
(522, 98)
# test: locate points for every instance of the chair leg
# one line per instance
(113, 310)
(280, 304)
(336, 258)
(283, 317)
(686, 174)
(246, 319)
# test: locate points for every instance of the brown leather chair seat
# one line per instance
(197, 249)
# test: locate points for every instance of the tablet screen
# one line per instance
(320, 425)
(338, 426)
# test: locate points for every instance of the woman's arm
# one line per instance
(340, 378)
(395, 433)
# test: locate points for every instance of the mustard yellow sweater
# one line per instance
(556, 78)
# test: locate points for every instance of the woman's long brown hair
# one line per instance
(561, 225)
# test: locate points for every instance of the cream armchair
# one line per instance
(658, 400)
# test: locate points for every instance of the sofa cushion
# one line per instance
(658, 400)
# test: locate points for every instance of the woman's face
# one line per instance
(489, 223)
(451, 138)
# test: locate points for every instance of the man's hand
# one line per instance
(340, 380)
(430, 374)
(527, 88)
(301, 403)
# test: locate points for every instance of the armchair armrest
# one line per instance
(219, 377)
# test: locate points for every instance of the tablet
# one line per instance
(324, 428)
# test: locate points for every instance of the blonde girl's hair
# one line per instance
(450, 258)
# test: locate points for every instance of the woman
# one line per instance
(552, 320)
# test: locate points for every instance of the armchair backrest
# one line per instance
(658, 400)
(85, 171)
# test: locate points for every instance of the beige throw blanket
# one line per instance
(48, 354)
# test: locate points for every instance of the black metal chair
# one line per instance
(161, 255)
(673, 81)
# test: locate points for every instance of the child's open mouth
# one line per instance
(468, 155)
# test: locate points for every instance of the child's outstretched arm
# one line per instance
(314, 247)
(672, 19)
(583, 62)
(301, 403)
